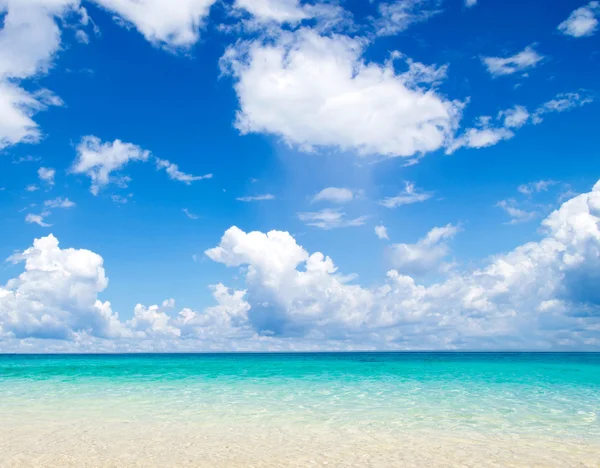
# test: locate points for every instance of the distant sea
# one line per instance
(492, 396)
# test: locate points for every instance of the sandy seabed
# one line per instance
(124, 444)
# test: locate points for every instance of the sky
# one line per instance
(286, 175)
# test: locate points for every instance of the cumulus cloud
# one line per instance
(174, 173)
(408, 196)
(152, 321)
(334, 195)
(56, 298)
(253, 198)
(398, 15)
(542, 295)
(172, 24)
(46, 174)
(98, 159)
(228, 318)
(29, 40)
(381, 232)
(425, 255)
(524, 60)
(283, 299)
(56, 295)
(319, 92)
(582, 21)
(330, 219)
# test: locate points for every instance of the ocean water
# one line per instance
(495, 396)
(540, 393)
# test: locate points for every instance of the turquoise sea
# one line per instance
(554, 394)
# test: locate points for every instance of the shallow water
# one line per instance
(544, 402)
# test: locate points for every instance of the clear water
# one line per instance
(557, 395)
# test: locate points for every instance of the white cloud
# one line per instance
(424, 256)
(173, 24)
(46, 174)
(381, 232)
(582, 21)
(266, 196)
(82, 36)
(59, 202)
(398, 15)
(542, 295)
(37, 219)
(56, 295)
(480, 137)
(516, 214)
(152, 321)
(561, 103)
(98, 160)
(330, 219)
(524, 60)
(283, 299)
(189, 214)
(334, 195)
(486, 134)
(16, 109)
(32, 188)
(174, 173)
(536, 187)
(515, 117)
(470, 3)
(29, 40)
(408, 196)
(269, 15)
(539, 296)
(48, 98)
(280, 11)
(319, 92)
(30, 37)
(226, 319)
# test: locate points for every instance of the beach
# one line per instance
(379, 410)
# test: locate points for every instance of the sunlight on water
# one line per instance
(540, 394)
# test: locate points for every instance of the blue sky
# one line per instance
(442, 137)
